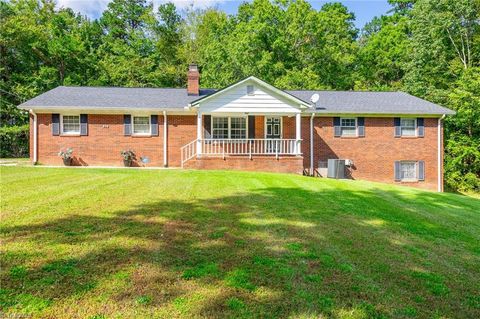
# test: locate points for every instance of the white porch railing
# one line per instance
(241, 147)
(188, 151)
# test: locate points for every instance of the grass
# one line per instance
(100, 243)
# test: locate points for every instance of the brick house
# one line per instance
(390, 137)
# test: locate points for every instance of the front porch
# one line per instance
(243, 136)
(248, 125)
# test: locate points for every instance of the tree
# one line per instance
(383, 53)
(462, 150)
(442, 44)
(338, 48)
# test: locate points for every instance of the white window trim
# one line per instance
(415, 179)
(356, 126)
(229, 129)
(265, 125)
(415, 127)
(133, 124)
(62, 132)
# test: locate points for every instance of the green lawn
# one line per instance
(99, 243)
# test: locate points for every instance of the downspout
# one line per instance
(35, 159)
(311, 145)
(439, 148)
(165, 146)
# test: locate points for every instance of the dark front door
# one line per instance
(273, 127)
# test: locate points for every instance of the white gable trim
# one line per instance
(296, 101)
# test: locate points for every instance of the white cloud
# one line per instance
(94, 8)
(91, 8)
(195, 3)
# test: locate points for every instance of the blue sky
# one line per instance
(364, 10)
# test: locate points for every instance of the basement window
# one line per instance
(70, 124)
(141, 125)
(408, 171)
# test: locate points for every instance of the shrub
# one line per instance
(14, 141)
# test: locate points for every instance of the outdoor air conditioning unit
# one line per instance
(336, 168)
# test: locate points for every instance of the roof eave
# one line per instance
(100, 108)
(379, 113)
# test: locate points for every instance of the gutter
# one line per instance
(439, 158)
(311, 144)
(35, 159)
(165, 146)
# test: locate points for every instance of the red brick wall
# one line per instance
(290, 164)
(288, 127)
(373, 155)
(105, 140)
(181, 130)
(259, 126)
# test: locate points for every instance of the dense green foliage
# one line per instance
(430, 48)
(120, 243)
(14, 141)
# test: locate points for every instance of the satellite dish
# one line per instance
(314, 99)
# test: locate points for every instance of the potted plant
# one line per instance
(128, 157)
(66, 155)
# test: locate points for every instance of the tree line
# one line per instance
(429, 48)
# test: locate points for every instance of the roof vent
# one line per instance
(250, 90)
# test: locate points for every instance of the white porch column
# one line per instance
(298, 133)
(199, 133)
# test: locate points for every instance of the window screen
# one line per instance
(408, 170)
(408, 127)
(71, 124)
(238, 127)
(348, 126)
(220, 127)
(141, 125)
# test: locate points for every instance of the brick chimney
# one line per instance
(193, 84)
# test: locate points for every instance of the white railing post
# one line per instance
(223, 148)
(199, 133)
(298, 133)
(276, 149)
(250, 148)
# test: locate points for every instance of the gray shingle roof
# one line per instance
(113, 97)
(361, 102)
(330, 102)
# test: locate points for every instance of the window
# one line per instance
(220, 127)
(70, 124)
(229, 127)
(250, 90)
(238, 127)
(408, 171)
(348, 126)
(141, 125)
(408, 126)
